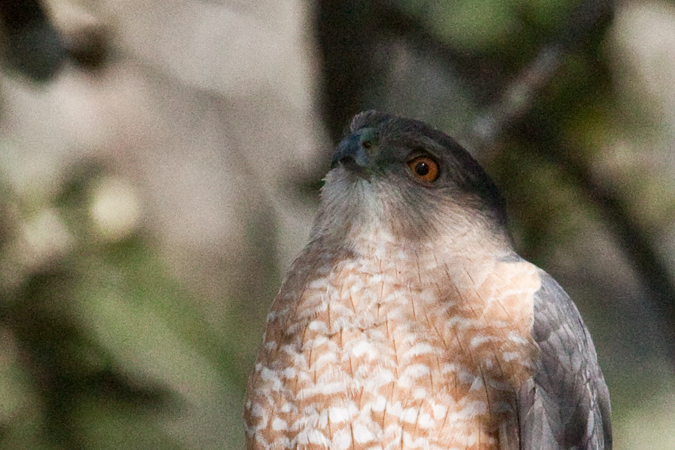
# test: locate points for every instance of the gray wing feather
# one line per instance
(566, 403)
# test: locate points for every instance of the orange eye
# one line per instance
(424, 168)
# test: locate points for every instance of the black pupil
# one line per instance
(421, 168)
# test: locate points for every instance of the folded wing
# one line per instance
(566, 403)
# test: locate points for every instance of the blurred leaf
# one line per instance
(114, 427)
(469, 24)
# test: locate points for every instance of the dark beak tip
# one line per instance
(348, 162)
(351, 155)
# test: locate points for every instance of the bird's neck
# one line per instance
(462, 242)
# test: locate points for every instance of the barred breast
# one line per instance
(390, 348)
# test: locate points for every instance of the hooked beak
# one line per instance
(351, 154)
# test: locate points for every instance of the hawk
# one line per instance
(409, 321)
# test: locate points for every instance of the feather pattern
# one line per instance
(409, 322)
(566, 403)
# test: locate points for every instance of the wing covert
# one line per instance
(566, 403)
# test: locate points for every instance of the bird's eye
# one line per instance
(424, 168)
(367, 145)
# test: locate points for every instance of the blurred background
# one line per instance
(160, 164)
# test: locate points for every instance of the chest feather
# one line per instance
(404, 351)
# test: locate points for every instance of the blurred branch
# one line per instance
(34, 47)
(345, 36)
(651, 268)
(482, 74)
(519, 96)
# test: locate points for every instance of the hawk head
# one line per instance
(401, 176)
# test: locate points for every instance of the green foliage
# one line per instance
(489, 25)
(102, 348)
